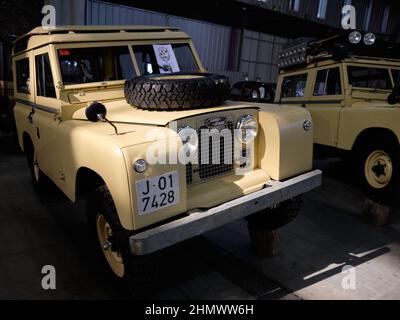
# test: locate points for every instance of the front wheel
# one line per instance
(378, 165)
(111, 242)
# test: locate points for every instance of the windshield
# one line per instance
(87, 65)
(165, 58)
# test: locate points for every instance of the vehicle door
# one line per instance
(325, 103)
(46, 114)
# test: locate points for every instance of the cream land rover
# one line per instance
(100, 137)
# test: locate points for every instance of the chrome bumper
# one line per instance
(199, 222)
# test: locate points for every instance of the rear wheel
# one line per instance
(37, 176)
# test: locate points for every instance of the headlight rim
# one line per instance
(188, 127)
(241, 123)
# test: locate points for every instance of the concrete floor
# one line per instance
(327, 236)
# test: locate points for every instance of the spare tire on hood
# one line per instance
(177, 91)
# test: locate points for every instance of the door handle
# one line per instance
(303, 105)
(30, 116)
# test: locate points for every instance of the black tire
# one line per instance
(137, 274)
(177, 91)
(385, 191)
(273, 219)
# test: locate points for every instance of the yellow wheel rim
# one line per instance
(378, 169)
(114, 258)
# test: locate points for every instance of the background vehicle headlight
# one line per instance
(369, 39)
(355, 37)
(247, 129)
(189, 138)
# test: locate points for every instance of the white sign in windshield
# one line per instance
(166, 58)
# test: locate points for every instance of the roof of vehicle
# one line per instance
(370, 61)
(42, 36)
(340, 48)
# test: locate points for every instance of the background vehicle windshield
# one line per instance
(87, 65)
(165, 58)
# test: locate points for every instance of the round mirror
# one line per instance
(96, 111)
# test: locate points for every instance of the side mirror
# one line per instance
(96, 112)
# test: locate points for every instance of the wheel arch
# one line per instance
(87, 180)
(373, 134)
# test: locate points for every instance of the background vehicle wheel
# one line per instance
(378, 168)
(273, 219)
(177, 91)
(111, 242)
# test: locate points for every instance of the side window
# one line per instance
(23, 76)
(44, 77)
(294, 86)
(373, 78)
(328, 83)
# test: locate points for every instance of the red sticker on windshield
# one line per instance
(64, 52)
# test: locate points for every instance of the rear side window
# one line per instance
(294, 86)
(373, 78)
(328, 83)
(23, 76)
(44, 77)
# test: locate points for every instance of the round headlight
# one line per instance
(189, 138)
(247, 129)
(355, 37)
(369, 39)
(140, 166)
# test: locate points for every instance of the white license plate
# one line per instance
(157, 193)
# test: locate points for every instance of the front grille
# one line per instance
(220, 157)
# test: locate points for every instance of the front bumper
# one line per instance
(200, 222)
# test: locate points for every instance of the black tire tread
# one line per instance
(148, 93)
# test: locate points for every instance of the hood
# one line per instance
(121, 112)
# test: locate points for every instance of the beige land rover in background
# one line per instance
(347, 84)
(81, 124)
